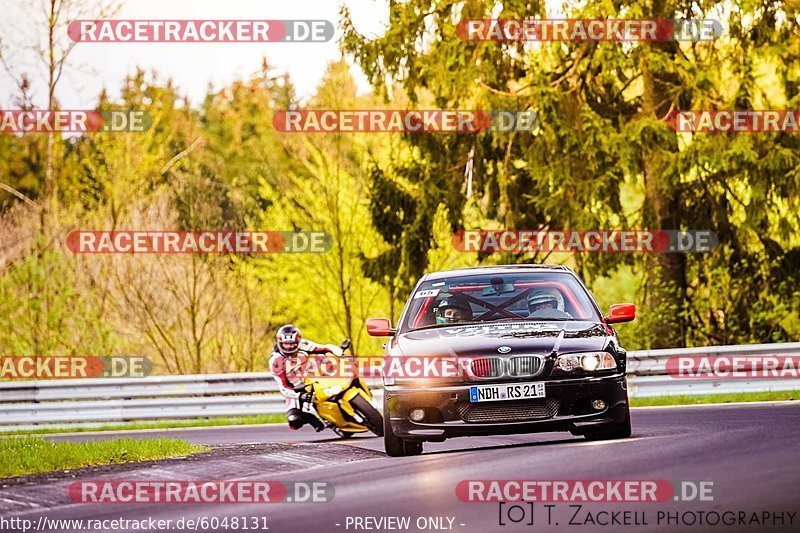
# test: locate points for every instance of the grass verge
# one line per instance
(717, 398)
(160, 424)
(32, 455)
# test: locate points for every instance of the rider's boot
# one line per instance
(316, 422)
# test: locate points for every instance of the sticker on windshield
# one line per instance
(426, 294)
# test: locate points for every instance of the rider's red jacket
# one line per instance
(288, 371)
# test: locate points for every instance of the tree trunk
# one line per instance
(665, 284)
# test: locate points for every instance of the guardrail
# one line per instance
(647, 372)
(30, 405)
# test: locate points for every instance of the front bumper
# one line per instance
(566, 407)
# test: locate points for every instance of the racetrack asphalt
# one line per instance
(749, 452)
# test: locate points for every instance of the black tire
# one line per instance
(372, 418)
(394, 445)
(618, 430)
(413, 447)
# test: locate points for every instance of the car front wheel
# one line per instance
(394, 445)
(617, 430)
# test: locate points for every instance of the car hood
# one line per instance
(520, 337)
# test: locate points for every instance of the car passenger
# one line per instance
(541, 301)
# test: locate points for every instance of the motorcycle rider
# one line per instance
(288, 359)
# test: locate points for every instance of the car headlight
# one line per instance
(589, 361)
(568, 363)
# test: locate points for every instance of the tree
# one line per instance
(53, 51)
(603, 133)
(327, 192)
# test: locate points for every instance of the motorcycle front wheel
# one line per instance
(372, 418)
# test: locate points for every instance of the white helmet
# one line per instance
(545, 298)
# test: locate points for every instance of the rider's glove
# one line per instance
(305, 397)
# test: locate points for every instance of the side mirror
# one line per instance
(379, 327)
(621, 313)
(346, 345)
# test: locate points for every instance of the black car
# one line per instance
(536, 353)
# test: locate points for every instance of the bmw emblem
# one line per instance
(504, 349)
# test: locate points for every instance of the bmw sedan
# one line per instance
(534, 354)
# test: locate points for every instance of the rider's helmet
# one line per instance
(541, 299)
(288, 339)
(452, 310)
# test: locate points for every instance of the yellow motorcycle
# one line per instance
(343, 403)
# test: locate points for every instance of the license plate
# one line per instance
(508, 391)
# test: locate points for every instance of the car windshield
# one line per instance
(506, 297)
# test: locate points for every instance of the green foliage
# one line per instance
(274, 418)
(602, 109)
(603, 157)
(775, 396)
(328, 295)
(47, 310)
(31, 455)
